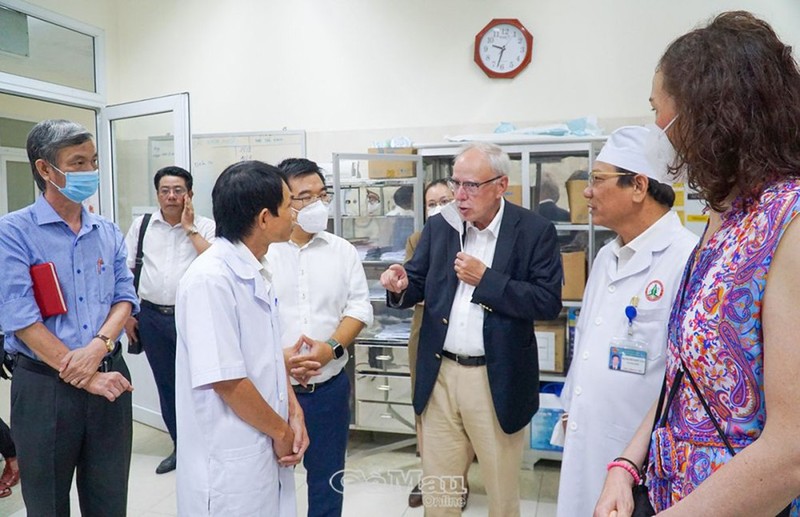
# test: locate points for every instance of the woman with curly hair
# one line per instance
(727, 99)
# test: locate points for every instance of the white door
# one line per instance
(135, 139)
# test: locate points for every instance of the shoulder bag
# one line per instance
(135, 347)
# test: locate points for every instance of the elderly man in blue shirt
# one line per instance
(71, 401)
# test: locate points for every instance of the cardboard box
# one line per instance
(383, 169)
(550, 338)
(578, 205)
(514, 194)
(543, 422)
(574, 264)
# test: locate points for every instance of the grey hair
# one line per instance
(498, 159)
(549, 189)
(47, 138)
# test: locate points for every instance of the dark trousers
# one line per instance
(7, 448)
(58, 430)
(327, 414)
(159, 338)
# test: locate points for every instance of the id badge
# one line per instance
(627, 355)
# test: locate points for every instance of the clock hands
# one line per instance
(502, 49)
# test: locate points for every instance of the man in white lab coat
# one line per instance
(618, 362)
(240, 428)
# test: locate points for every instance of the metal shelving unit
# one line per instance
(379, 372)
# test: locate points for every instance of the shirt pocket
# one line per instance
(650, 327)
(242, 479)
(98, 273)
(105, 270)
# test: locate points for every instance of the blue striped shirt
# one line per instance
(90, 266)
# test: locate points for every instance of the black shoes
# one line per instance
(167, 465)
(415, 498)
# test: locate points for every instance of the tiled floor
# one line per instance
(381, 479)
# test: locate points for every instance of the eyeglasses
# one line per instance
(307, 199)
(470, 187)
(596, 177)
(441, 202)
(166, 191)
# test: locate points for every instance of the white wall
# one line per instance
(352, 71)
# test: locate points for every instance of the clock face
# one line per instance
(503, 48)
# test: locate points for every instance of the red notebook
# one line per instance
(47, 290)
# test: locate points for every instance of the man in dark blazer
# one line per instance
(484, 281)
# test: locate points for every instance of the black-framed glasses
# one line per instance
(308, 199)
(166, 191)
(470, 187)
(596, 177)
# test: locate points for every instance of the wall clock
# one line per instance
(503, 48)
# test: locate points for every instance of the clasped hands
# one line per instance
(306, 357)
(79, 368)
(468, 269)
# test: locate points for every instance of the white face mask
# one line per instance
(314, 217)
(373, 207)
(434, 210)
(660, 152)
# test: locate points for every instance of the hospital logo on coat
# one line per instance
(654, 291)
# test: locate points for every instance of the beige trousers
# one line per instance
(460, 417)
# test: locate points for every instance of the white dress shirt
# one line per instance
(465, 330)
(317, 285)
(168, 251)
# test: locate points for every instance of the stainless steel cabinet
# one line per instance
(377, 214)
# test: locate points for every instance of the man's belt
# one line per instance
(312, 387)
(32, 365)
(166, 310)
(465, 360)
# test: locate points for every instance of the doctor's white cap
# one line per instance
(625, 148)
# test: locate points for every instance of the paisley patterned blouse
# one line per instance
(716, 327)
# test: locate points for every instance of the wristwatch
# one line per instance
(192, 231)
(338, 349)
(107, 341)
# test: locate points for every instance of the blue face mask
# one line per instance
(80, 185)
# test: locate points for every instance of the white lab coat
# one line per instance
(605, 406)
(227, 323)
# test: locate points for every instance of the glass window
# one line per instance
(37, 49)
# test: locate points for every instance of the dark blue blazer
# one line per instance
(523, 284)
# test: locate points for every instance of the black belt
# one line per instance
(32, 365)
(311, 388)
(166, 310)
(465, 360)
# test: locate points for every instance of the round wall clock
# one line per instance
(503, 48)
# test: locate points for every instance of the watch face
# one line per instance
(503, 48)
(338, 351)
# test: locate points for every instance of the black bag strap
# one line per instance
(708, 410)
(662, 410)
(137, 268)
